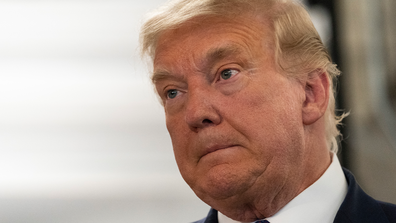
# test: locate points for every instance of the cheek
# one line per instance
(176, 131)
(267, 115)
(235, 84)
(181, 144)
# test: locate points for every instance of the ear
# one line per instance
(316, 96)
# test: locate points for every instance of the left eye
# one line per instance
(171, 94)
(228, 73)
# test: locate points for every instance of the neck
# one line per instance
(318, 157)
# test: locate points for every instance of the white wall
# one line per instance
(82, 136)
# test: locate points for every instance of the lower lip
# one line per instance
(221, 152)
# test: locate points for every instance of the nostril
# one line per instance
(206, 121)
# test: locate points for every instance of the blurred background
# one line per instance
(82, 135)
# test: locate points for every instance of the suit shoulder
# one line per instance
(389, 210)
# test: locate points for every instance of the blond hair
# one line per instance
(298, 47)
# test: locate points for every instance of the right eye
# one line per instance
(228, 73)
(171, 93)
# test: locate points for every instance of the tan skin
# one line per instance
(247, 139)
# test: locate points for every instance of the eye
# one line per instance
(171, 93)
(228, 73)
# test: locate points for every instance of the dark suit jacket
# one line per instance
(357, 207)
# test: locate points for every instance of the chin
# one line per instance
(222, 182)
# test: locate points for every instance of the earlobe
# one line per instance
(316, 96)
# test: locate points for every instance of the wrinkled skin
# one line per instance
(247, 139)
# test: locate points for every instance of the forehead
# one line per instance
(214, 36)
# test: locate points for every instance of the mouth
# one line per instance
(214, 148)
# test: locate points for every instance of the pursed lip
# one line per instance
(216, 147)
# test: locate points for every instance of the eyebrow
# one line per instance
(219, 53)
(210, 59)
(160, 75)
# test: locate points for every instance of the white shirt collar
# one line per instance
(318, 203)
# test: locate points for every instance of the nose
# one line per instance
(201, 110)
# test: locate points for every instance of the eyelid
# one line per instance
(231, 66)
(165, 91)
(165, 85)
(227, 67)
(171, 87)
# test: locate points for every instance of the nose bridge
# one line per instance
(200, 108)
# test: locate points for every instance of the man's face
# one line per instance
(234, 120)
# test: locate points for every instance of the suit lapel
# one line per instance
(358, 206)
(212, 217)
